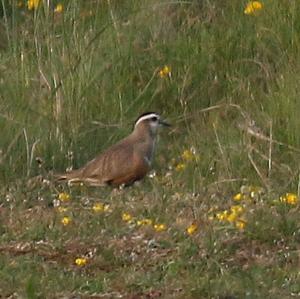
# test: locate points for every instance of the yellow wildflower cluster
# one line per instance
(253, 7)
(63, 199)
(192, 229)
(66, 220)
(64, 196)
(187, 156)
(180, 167)
(233, 215)
(144, 222)
(290, 198)
(240, 224)
(165, 72)
(80, 261)
(100, 207)
(127, 217)
(249, 193)
(58, 8)
(238, 197)
(33, 4)
(159, 227)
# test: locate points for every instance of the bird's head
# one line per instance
(151, 121)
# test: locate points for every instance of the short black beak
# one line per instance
(164, 123)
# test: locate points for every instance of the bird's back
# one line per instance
(122, 163)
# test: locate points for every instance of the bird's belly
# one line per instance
(130, 177)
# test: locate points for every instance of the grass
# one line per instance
(72, 83)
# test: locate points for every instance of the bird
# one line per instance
(125, 162)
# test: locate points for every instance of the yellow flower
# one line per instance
(81, 261)
(59, 8)
(180, 167)
(192, 228)
(144, 222)
(252, 7)
(290, 198)
(100, 207)
(62, 209)
(126, 217)
(240, 224)
(165, 71)
(160, 227)
(64, 196)
(237, 209)
(238, 197)
(222, 215)
(33, 4)
(235, 212)
(66, 220)
(232, 217)
(187, 155)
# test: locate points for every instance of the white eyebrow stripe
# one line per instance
(146, 117)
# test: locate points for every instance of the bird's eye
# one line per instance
(154, 118)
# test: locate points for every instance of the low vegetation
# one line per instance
(218, 217)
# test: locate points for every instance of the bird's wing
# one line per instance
(119, 164)
(99, 167)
